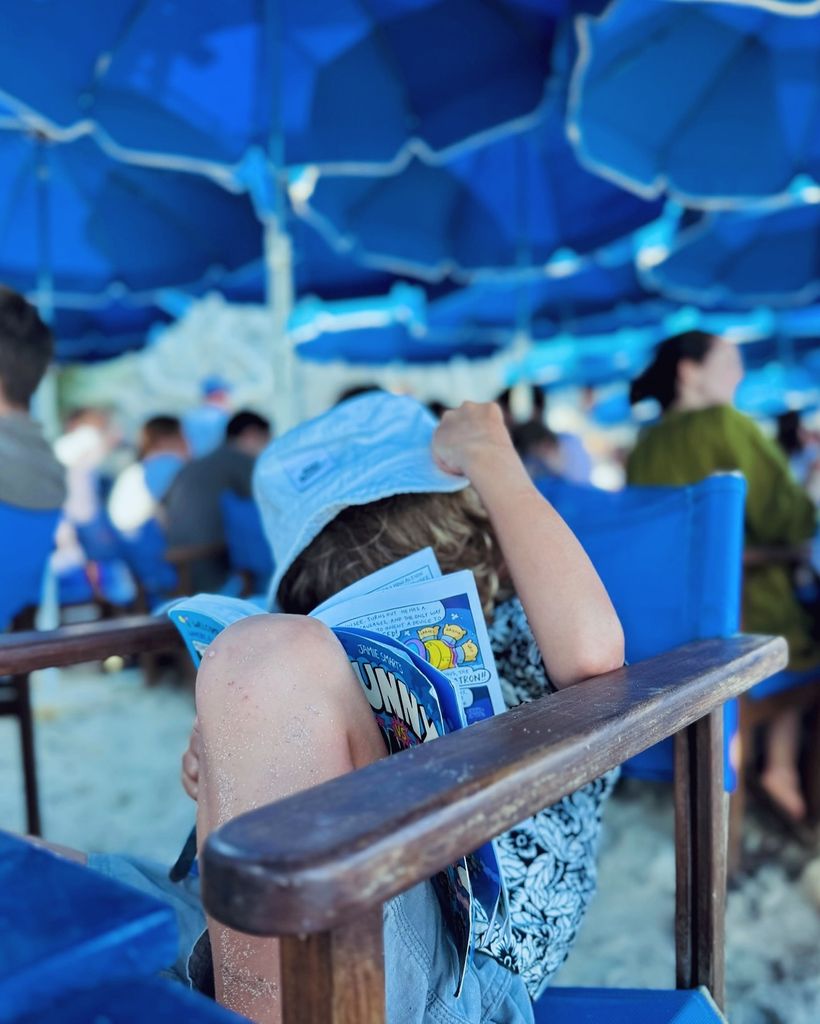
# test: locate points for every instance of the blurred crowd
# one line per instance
(166, 511)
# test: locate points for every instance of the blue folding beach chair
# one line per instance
(144, 551)
(249, 553)
(27, 541)
(85, 947)
(671, 560)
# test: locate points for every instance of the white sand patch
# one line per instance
(108, 753)
(772, 921)
(109, 750)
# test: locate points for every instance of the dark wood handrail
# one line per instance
(94, 641)
(314, 861)
(798, 554)
(192, 552)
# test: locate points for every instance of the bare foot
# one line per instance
(782, 786)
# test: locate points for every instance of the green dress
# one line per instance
(685, 447)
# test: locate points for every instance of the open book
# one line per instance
(418, 644)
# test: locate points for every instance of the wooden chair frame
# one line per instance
(316, 868)
(753, 713)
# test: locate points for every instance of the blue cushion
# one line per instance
(626, 1006)
(64, 928)
(134, 1002)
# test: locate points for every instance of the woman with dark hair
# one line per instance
(694, 377)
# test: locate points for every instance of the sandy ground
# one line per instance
(109, 749)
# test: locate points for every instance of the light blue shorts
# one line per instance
(420, 967)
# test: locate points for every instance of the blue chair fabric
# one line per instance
(671, 559)
(625, 1006)
(248, 548)
(49, 949)
(134, 1001)
(144, 553)
(29, 539)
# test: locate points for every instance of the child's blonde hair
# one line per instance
(364, 538)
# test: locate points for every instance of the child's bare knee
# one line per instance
(264, 658)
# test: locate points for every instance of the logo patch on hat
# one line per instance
(303, 469)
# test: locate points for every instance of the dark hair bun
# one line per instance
(660, 379)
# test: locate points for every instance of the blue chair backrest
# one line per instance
(671, 559)
(99, 539)
(144, 553)
(248, 548)
(27, 541)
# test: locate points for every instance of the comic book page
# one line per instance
(416, 568)
(406, 705)
(201, 618)
(442, 622)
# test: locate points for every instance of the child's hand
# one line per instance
(190, 763)
(470, 436)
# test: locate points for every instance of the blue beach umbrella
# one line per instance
(714, 102)
(774, 389)
(89, 335)
(341, 82)
(397, 343)
(512, 203)
(392, 328)
(532, 303)
(746, 257)
(77, 224)
(244, 89)
(317, 270)
(563, 360)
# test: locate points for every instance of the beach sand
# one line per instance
(109, 750)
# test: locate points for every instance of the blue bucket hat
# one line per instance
(369, 447)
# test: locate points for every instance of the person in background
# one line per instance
(204, 426)
(30, 475)
(802, 449)
(539, 449)
(355, 390)
(575, 461)
(84, 448)
(694, 377)
(192, 510)
(141, 487)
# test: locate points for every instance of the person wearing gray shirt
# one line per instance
(30, 475)
(192, 511)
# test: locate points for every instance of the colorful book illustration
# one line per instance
(418, 644)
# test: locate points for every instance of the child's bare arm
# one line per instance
(572, 618)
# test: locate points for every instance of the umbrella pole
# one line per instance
(279, 290)
(278, 245)
(46, 405)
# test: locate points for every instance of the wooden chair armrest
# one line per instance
(183, 554)
(314, 861)
(138, 634)
(760, 555)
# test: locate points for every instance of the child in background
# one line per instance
(364, 485)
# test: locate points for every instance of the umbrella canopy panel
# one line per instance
(745, 258)
(330, 81)
(512, 203)
(73, 215)
(717, 103)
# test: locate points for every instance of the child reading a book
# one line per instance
(279, 710)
